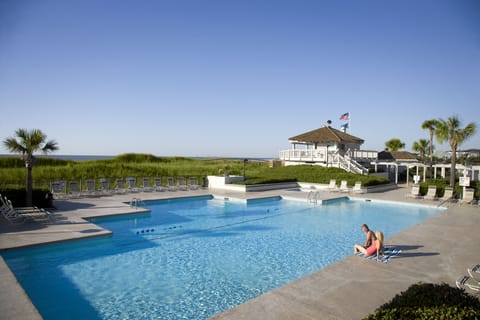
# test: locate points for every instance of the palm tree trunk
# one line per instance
(29, 185)
(430, 169)
(453, 166)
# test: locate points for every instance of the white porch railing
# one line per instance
(334, 159)
(303, 155)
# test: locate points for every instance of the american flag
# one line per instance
(345, 116)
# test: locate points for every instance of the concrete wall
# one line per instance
(225, 183)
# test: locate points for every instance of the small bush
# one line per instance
(429, 301)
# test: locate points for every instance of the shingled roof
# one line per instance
(397, 156)
(326, 134)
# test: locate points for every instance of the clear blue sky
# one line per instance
(234, 78)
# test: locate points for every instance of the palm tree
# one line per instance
(421, 146)
(431, 125)
(450, 130)
(27, 143)
(394, 144)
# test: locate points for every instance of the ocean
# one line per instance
(65, 156)
(97, 157)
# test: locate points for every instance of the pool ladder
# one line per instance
(313, 197)
(135, 202)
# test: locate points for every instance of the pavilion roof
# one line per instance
(326, 134)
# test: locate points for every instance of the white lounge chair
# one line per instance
(59, 189)
(333, 185)
(73, 189)
(344, 186)
(447, 195)
(357, 188)
(120, 187)
(468, 196)
(146, 187)
(3, 202)
(104, 186)
(192, 184)
(131, 184)
(171, 184)
(431, 193)
(181, 184)
(90, 187)
(157, 184)
(474, 272)
(9, 214)
(12, 216)
(466, 282)
(414, 192)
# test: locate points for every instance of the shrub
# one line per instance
(309, 173)
(429, 301)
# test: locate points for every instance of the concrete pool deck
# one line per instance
(438, 249)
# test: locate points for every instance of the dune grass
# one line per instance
(12, 171)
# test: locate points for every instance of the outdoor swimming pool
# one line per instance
(192, 258)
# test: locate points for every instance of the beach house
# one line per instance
(329, 147)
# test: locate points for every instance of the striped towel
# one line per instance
(389, 254)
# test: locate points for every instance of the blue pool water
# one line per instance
(193, 258)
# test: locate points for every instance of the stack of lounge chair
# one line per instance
(20, 215)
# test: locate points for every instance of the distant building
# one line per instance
(471, 153)
(401, 156)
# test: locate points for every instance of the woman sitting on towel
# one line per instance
(379, 243)
(376, 246)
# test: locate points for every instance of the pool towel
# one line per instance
(389, 254)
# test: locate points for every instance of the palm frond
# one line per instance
(14, 146)
(51, 145)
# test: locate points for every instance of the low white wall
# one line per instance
(225, 183)
(271, 186)
(308, 185)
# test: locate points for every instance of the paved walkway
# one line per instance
(348, 289)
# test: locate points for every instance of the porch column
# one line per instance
(434, 173)
(408, 167)
(396, 173)
(424, 171)
(442, 172)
